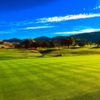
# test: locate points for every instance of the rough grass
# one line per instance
(52, 78)
(6, 54)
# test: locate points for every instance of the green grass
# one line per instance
(6, 54)
(53, 78)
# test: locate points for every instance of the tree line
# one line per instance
(59, 41)
(31, 43)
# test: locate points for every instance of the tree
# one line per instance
(51, 44)
(59, 41)
(17, 45)
(43, 44)
(1, 42)
(81, 44)
(35, 45)
(98, 44)
(69, 41)
(28, 43)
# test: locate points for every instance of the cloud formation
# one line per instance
(66, 18)
(37, 27)
(97, 7)
(80, 31)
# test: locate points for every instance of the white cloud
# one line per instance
(65, 18)
(97, 7)
(80, 31)
(89, 30)
(37, 27)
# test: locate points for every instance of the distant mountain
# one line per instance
(58, 38)
(42, 39)
(90, 37)
(13, 40)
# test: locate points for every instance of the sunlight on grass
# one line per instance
(51, 78)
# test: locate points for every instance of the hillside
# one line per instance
(91, 37)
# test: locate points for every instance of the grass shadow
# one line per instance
(89, 96)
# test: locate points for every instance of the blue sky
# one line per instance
(35, 18)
